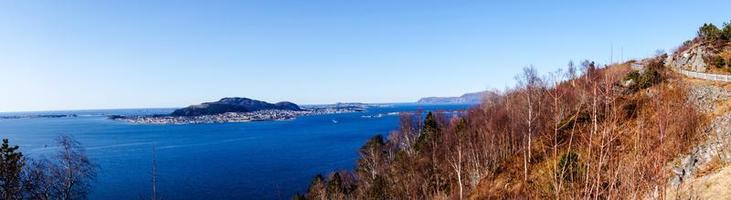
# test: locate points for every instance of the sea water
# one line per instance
(250, 160)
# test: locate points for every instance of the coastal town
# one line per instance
(235, 117)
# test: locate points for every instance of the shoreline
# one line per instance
(231, 117)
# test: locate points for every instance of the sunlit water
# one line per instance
(253, 160)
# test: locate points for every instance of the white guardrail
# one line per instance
(706, 76)
(699, 75)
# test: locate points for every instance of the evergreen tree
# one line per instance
(317, 189)
(335, 187)
(376, 143)
(726, 31)
(11, 165)
(709, 32)
(429, 132)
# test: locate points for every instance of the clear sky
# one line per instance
(62, 55)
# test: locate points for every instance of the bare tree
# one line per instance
(589, 138)
(38, 180)
(531, 83)
(410, 125)
(455, 161)
(73, 170)
(556, 95)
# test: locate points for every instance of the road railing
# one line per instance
(706, 76)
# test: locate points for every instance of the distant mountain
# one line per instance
(469, 98)
(233, 104)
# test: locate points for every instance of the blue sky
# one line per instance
(61, 55)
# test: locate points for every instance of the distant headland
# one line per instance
(239, 109)
(469, 98)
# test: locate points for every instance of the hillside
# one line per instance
(634, 130)
(710, 51)
(704, 172)
(233, 104)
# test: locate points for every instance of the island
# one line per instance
(239, 109)
(38, 116)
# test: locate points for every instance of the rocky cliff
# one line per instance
(692, 58)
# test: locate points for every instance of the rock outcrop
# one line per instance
(691, 59)
(707, 99)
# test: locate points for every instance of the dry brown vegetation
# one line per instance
(566, 135)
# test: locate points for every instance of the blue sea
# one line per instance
(251, 160)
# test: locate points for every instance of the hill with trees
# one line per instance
(709, 51)
(598, 132)
(233, 104)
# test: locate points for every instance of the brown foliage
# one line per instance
(548, 138)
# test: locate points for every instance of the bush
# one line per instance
(685, 46)
(649, 78)
(652, 74)
(570, 168)
(718, 61)
(687, 42)
(709, 32)
(633, 75)
(726, 32)
(630, 110)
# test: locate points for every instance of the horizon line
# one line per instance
(155, 107)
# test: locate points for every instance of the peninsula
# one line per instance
(238, 109)
(469, 98)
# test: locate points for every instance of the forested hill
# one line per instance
(233, 104)
(629, 130)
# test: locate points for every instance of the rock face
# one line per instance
(233, 104)
(691, 59)
(469, 98)
(707, 99)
